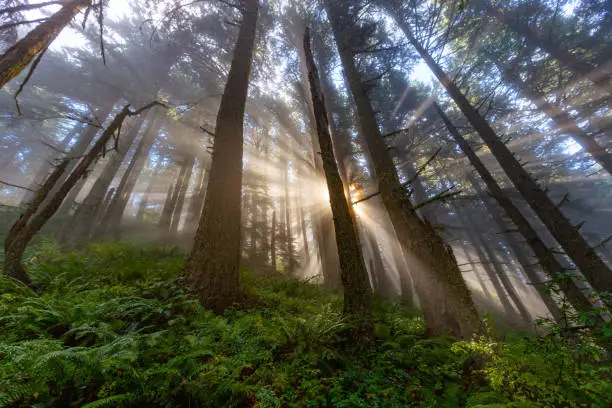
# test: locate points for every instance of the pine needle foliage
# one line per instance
(113, 327)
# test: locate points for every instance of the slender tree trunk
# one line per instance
(273, 240)
(562, 120)
(197, 199)
(87, 214)
(37, 214)
(545, 257)
(112, 217)
(142, 207)
(519, 253)
(180, 200)
(576, 247)
(444, 297)
(77, 151)
(253, 227)
(357, 291)
(212, 268)
(165, 222)
(303, 228)
(289, 247)
(16, 59)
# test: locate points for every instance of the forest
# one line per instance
(306, 203)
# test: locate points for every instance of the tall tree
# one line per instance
(357, 291)
(443, 294)
(15, 59)
(212, 268)
(545, 257)
(576, 247)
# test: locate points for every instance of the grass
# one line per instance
(112, 326)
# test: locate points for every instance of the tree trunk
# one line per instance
(24, 229)
(197, 199)
(584, 256)
(142, 207)
(546, 258)
(77, 151)
(273, 240)
(357, 291)
(112, 217)
(165, 222)
(180, 200)
(444, 297)
(17, 58)
(562, 120)
(212, 268)
(87, 214)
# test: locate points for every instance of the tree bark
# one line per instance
(357, 291)
(212, 268)
(545, 257)
(575, 246)
(443, 294)
(17, 58)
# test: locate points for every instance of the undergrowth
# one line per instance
(113, 327)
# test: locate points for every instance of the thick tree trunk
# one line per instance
(562, 121)
(545, 257)
(212, 268)
(17, 58)
(357, 291)
(575, 246)
(443, 294)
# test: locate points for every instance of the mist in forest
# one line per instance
(472, 140)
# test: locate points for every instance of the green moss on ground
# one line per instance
(113, 327)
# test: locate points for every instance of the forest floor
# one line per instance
(112, 326)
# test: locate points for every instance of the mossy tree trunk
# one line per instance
(16, 59)
(353, 273)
